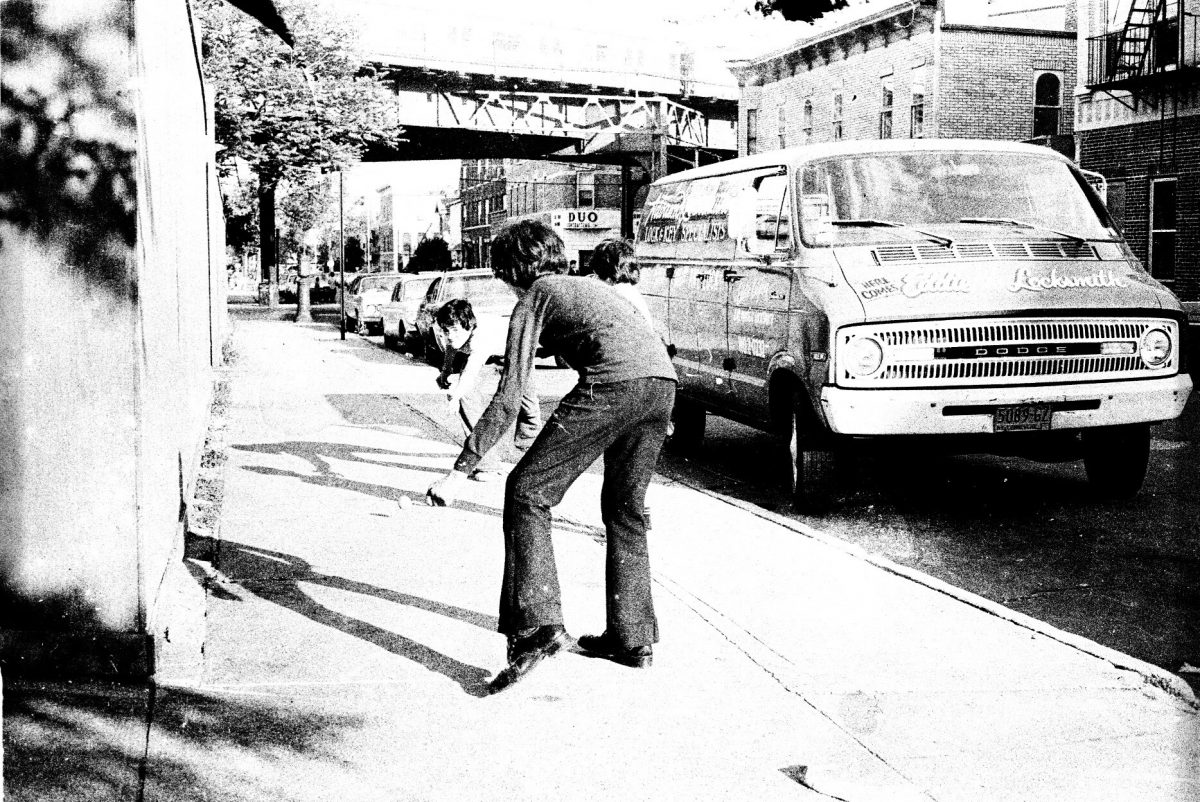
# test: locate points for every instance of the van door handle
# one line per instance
(732, 275)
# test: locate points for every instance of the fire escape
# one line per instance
(1151, 57)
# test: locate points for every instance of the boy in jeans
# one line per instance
(475, 352)
(619, 410)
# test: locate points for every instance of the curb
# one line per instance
(1151, 674)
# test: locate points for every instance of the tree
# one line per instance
(431, 254)
(799, 10)
(290, 113)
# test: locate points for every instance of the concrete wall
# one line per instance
(109, 343)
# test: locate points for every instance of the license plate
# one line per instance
(1022, 418)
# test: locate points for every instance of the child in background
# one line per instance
(474, 350)
(613, 263)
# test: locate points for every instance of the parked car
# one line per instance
(488, 296)
(365, 295)
(399, 314)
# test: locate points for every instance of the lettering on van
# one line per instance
(877, 288)
(914, 284)
(1023, 279)
(753, 317)
(751, 346)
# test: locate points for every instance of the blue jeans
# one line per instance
(626, 422)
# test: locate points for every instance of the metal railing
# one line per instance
(1173, 44)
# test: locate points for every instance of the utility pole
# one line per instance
(342, 249)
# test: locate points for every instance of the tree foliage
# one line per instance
(799, 10)
(66, 136)
(287, 111)
(430, 254)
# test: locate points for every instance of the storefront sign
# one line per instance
(586, 218)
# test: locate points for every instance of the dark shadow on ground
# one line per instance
(275, 577)
(318, 455)
(88, 741)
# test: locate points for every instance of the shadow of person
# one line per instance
(275, 577)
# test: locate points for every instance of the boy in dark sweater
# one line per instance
(619, 409)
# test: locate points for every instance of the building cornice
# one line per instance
(849, 27)
(960, 28)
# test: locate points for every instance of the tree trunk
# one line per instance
(266, 239)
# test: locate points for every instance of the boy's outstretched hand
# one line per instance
(444, 491)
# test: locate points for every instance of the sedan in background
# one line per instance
(399, 314)
(488, 296)
(364, 297)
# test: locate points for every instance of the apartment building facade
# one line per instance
(582, 202)
(920, 68)
(1138, 125)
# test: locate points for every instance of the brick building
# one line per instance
(582, 202)
(1138, 113)
(920, 68)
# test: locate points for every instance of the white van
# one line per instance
(974, 293)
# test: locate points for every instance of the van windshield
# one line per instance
(955, 193)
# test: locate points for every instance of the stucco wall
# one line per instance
(109, 343)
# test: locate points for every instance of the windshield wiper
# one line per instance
(866, 222)
(1007, 221)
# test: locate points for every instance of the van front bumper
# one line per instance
(970, 410)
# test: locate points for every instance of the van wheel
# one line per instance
(810, 460)
(687, 427)
(389, 341)
(1116, 458)
(415, 345)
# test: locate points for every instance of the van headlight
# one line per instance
(1155, 348)
(862, 356)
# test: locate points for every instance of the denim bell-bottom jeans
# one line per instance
(626, 423)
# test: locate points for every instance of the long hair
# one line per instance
(613, 262)
(525, 250)
(457, 311)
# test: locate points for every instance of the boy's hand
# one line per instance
(443, 381)
(444, 491)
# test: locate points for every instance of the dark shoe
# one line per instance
(526, 651)
(608, 648)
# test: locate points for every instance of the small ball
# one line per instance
(405, 502)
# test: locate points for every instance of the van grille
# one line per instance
(974, 352)
(932, 252)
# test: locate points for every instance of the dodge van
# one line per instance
(970, 293)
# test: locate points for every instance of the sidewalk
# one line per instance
(348, 634)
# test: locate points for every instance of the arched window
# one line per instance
(1047, 104)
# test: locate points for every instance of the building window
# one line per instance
(782, 128)
(751, 131)
(885, 113)
(1162, 228)
(836, 116)
(808, 121)
(1047, 104)
(916, 113)
(585, 189)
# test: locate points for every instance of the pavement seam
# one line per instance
(765, 656)
(1150, 674)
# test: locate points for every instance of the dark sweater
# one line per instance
(596, 331)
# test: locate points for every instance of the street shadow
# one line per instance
(87, 741)
(319, 454)
(275, 576)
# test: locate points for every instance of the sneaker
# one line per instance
(605, 646)
(485, 476)
(526, 650)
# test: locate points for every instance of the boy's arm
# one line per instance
(524, 329)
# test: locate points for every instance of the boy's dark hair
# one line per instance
(613, 261)
(456, 311)
(525, 250)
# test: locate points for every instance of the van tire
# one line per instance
(810, 459)
(687, 433)
(1116, 458)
